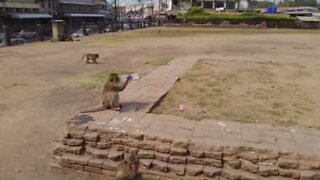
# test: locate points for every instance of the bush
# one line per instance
(195, 10)
(197, 15)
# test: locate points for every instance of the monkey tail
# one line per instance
(102, 108)
(83, 57)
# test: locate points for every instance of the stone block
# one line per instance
(249, 166)
(162, 156)
(76, 134)
(109, 173)
(115, 155)
(145, 154)
(103, 145)
(194, 160)
(249, 176)
(267, 171)
(295, 174)
(119, 147)
(81, 160)
(131, 151)
(196, 153)
(211, 172)
(136, 135)
(231, 174)
(288, 163)
(309, 165)
(160, 165)
(178, 160)
(97, 153)
(59, 149)
(310, 175)
(77, 167)
(93, 169)
(91, 136)
(250, 156)
(213, 155)
(110, 165)
(233, 162)
(63, 161)
(73, 142)
(132, 143)
(178, 151)
(96, 163)
(269, 158)
(74, 149)
(212, 162)
(177, 169)
(146, 163)
(194, 170)
(163, 148)
(180, 143)
(118, 141)
(147, 145)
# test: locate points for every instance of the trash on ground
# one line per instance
(182, 107)
(221, 123)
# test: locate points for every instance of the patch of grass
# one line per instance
(158, 62)
(97, 80)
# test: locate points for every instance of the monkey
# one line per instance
(110, 93)
(92, 57)
(128, 168)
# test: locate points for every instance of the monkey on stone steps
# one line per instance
(110, 94)
(92, 57)
(128, 168)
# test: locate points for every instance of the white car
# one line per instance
(220, 9)
(80, 33)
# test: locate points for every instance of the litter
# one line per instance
(223, 124)
(134, 76)
(182, 107)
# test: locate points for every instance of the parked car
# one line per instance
(16, 41)
(220, 9)
(80, 33)
(1, 42)
(27, 35)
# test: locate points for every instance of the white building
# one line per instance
(184, 5)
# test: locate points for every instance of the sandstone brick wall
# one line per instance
(101, 150)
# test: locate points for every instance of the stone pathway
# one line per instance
(141, 96)
(165, 143)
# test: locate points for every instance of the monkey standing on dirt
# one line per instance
(128, 168)
(92, 57)
(110, 93)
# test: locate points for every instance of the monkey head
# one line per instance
(114, 78)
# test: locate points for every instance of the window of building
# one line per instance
(196, 3)
(230, 5)
(219, 4)
(207, 4)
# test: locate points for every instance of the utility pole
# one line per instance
(115, 10)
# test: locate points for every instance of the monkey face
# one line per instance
(114, 77)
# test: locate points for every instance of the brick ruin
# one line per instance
(98, 146)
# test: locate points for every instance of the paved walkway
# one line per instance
(141, 96)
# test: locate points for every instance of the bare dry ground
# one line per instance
(281, 93)
(42, 84)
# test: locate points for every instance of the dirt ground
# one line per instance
(40, 89)
(280, 93)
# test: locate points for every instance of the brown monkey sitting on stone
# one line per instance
(110, 93)
(128, 168)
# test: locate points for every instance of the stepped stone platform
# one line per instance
(175, 146)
